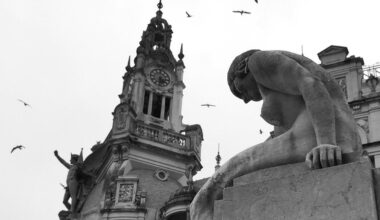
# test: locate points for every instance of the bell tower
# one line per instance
(149, 154)
(153, 87)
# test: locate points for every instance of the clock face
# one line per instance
(159, 77)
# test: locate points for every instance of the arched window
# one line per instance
(157, 105)
(177, 216)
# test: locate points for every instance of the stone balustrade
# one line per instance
(164, 136)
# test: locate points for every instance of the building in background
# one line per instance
(360, 84)
(144, 168)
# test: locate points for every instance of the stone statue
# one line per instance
(312, 121)
(71, 181)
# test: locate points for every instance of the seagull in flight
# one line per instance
(242, 12)
(20, 147)
(208, 105)
(25, 104)
(188, 15)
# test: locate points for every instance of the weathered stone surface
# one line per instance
(304, 104)
(292, 192)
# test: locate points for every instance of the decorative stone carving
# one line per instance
(342, 84)
(120, 119)
(363, 123)
(356, 108)
(110, 195)
(372, 81)
(126, 191)
(119, 151)
(140, 200)
(75, 179)
(64, 215)
(161, 175)
(166, 137)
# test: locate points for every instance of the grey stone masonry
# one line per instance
(293, 192)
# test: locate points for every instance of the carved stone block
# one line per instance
(294, 192)
(126, 192)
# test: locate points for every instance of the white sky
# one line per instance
(66, 58)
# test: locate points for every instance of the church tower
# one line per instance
(144, 168)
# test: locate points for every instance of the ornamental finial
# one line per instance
(218, 159)
(180, 55)
(159, 5)
(128, 67)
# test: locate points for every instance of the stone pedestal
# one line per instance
(293, 192)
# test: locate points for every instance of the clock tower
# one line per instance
(153, 87)
(144, 168)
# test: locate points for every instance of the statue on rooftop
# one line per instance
(71, 180)
(312, 121)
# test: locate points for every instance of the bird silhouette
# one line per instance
(256, 1)
(188, 15)
(20, 147)
(242, 12)
(208, 105)
(25, 104)
(261, 132)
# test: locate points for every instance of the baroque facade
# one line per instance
(361, 86)
(144, 168)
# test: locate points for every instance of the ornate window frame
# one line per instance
(161, 175)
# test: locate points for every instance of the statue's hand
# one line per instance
(324, 155)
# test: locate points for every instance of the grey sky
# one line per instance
(66, 58)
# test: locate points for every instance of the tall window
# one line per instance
(167, 108)
(156, 105)
(146, 102)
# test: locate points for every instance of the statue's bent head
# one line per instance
(237, 72)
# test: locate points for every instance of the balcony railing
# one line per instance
(163, 136)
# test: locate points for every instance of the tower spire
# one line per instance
(218, 159)
(180, 55)
(128, 67)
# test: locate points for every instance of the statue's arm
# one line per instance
(280, 73)
(67, 165)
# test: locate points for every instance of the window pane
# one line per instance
(156, 105)
(167, 108)
(146, 102)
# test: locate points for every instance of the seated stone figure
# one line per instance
(307, 108)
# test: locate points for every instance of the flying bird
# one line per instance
(188, 15)
(208, 105)
(25, 104)
(256, 1)
(242, 12)
(261, 132)
(20, 147)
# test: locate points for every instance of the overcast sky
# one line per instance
(67, 59)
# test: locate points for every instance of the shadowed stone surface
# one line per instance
(293, 192)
